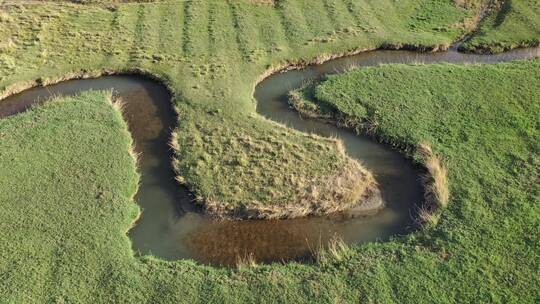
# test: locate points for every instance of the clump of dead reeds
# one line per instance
(263, 2)
(119, 105)
(435, 183)
(436, 179)
(246, 261)
(175, 146)
(336, 250)
(427, 216)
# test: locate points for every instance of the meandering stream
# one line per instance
(172, 228)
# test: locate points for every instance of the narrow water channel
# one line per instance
(171, 228)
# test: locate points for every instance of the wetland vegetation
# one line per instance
(68, 178)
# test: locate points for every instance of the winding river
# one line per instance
(172, 228)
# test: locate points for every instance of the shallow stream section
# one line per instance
(172, 228)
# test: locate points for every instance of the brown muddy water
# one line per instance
(172, 228)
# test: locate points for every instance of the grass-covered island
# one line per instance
(67, 176)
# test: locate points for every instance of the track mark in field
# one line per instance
(225, 45)
(282, 21)
(170, 29)
(365, 17)
(382, 9)
(152, 35)
(138, 35)
(115, 20)
(297, 30)
(50, 35)
(114, 28)
(353, 10)
(330, 12)
(530, 17)
(173, 41)
(241, 45)
(271, 30)
(212, 22)
(196, 28)
(163, 31)
(185, 29)
(338, 14)
(316, 17)
(348, 11)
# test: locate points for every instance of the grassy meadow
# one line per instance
(75, 153)
(67, 178)
(483, 120)
(211, 54)
(514, 24)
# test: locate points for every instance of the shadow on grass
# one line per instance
(505, 9)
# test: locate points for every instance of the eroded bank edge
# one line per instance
(435, 177)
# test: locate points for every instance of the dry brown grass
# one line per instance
(465, 3)
(436, 192)
(349, 186)
(4, 16)
(247, 260)
(119, 105)
(7, 44)
(306, 109)
(173, 144)
(482, 7)
(262, 2)
(427, 216)
(335, 251)
(436, 179)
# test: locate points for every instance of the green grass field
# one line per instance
(68, 245)
(515, 24)
(75, 153)
(211, 53)
(483, 121)
(67, 177)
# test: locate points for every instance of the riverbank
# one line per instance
(485, 141)
(210, 66)
(481, 119)
(434, 178)
(66, 247)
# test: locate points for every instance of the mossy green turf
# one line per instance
(67, 182)
(516, 24)
(211, 53)
(483, 121)
(63, 229)
(70, 179)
